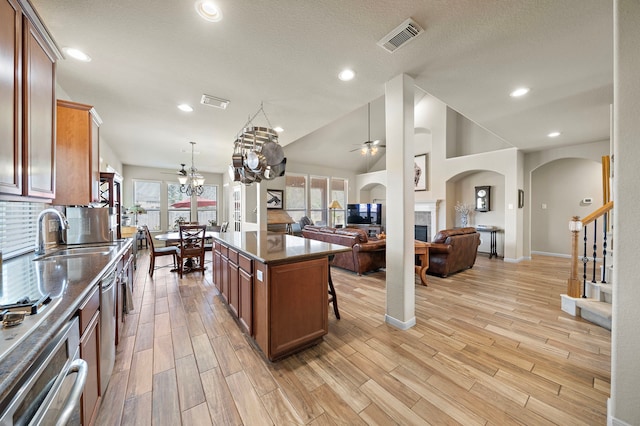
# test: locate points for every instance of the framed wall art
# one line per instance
(275, 199)
(420, 172)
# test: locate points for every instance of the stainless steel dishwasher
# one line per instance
(108, 286)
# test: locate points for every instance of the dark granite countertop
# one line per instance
(69, 281)
(277, 248)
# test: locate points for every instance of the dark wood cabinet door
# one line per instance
(38, 115)
(234, 291)
(245, 310)
(224, 279)
(217, 270)
(10, 99)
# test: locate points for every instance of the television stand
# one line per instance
(371, 230)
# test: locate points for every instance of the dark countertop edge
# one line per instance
(333, 249)
(28, 351)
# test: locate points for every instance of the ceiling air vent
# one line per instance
(401, 35)
(214, 102)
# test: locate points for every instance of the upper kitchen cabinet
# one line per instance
(78, 156)
(27, 100)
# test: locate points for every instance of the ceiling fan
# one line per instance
(369, 147)
(181, 172)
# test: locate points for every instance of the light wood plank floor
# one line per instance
(491, 347)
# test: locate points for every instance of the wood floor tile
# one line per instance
(222, 407)
(490, 347)
(166, 407)
(189, 385)
(163, 354)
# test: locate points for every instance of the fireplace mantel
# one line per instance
(432, 207)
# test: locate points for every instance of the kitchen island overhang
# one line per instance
(276, 285)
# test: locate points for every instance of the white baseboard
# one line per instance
(402, 325)
(544, 253)
(515, 260)
(612, 421)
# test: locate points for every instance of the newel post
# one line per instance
(573, 284)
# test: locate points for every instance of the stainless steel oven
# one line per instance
(49, 392)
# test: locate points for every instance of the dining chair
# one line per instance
(192, 246)
(161, 251)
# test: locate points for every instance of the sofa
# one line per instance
(365, 255)
(453, 250)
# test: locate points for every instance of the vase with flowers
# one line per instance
(463, 210)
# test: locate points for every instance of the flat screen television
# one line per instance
(364, 214)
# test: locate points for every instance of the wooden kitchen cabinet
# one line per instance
(233, 281)
(78, 154)
(27, 100)
(89, 314)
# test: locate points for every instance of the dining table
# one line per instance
(173, 237)
(422, 250)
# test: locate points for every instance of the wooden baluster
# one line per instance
(573, 284)
(604, 249)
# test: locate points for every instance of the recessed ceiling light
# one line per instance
(278, 129)
(553, 134)
(208, 11)
(77, 54)
(185, 107)
(521, 91)
(346, 75)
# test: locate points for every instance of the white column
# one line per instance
(399, 99)
(624, 404)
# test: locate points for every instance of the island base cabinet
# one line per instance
(290, 306)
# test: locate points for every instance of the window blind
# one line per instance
(18, 227)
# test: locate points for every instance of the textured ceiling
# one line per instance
(149, 56)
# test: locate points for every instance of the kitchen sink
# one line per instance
(76, 252)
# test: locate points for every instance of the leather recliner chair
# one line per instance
(453, 250)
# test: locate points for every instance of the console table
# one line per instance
(493, 230)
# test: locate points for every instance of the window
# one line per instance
(208, 207)
(18, 227)
(177, 213)
(295, 196)
(318, 200)
(339, 193)
(317, 197)
(146, 194)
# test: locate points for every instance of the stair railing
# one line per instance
(574, 287)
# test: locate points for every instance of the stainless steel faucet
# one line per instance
(40, 233)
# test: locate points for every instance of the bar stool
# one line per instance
(333, 298)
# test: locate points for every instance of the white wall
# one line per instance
(557, 189)
(464, 190)
(532, 161)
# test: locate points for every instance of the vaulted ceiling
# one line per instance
(150, 56)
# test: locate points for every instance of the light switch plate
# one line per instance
(259, 275)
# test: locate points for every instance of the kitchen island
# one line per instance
(276, 285)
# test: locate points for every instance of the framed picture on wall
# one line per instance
(275, 199)
(420, 172)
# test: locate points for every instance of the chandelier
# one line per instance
(191, 181)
